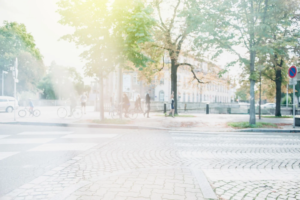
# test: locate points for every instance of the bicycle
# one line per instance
(117, 112)
(34, 112)
(62, 112)
(133, 113)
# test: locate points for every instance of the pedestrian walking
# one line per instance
(126, 104)
(138, 104)
(172, 106)
(147, 105)
(83, 100)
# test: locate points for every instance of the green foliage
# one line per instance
(285, 116)
(242, 94)
(15, 42)
(112, 31)
(240, 125)
(283, 100)
(253, 25)
(61, 83)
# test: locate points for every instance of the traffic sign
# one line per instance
(293, 81)
(292, 72)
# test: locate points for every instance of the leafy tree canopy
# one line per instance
(16, 42)
(112, 32)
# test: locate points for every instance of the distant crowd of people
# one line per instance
(125, 104)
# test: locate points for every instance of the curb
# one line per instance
(85, 125)
(270, 130)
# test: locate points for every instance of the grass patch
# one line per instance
(176, 115)
(107, 121)
(239, 125)
(285, 116)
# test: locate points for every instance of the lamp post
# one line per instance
(3, 72)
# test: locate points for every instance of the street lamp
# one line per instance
(3, 72)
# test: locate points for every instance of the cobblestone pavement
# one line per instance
(168, 165)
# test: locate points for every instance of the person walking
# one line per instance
(83, 100)
(138, 104)
(126, 104)
(172, 106)
(147, 105)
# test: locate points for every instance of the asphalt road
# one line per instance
(24, 155)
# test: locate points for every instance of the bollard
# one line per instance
(229, 110)
(165, 108)
(207, 109)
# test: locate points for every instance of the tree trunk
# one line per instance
(101, 98)
(174, 81)
(278, 82)
(252, 120)
(120, 90)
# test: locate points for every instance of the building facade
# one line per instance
(214, 89)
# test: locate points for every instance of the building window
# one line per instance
(161, 81)
(193, 97)
(135, 79)
(189, 98)
(161, 96)
(184, 97)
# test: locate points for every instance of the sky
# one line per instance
(41, 20)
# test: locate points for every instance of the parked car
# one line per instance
(7, 103)
(268, 105)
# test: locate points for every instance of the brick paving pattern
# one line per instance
(158, 165)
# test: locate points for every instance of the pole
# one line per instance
(15, 95)
(293, 104)
(15, 87)
(2, 83)
(260, 96)
(287, 95)
(101, 99)
(120, 88)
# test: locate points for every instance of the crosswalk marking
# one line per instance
(4, 155)
(45, 133)
(26, 140)
(3, 136)
(90, 136)
(64, 147)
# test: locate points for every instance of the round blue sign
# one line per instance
(292, 71)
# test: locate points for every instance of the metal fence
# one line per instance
(188, 107)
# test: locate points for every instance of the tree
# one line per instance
(15, 42)
(239, 23)
(174, 33)
(112, 32)
(61, 83)
(283, 45)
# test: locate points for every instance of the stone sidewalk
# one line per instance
(165, 165)
(190, 121)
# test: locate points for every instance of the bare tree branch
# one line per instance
(192, 70)
(174, 15)
(154, 45)
(159, 14)
(177, 38)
